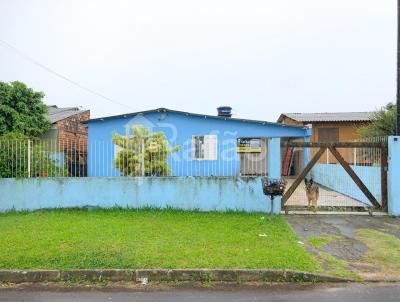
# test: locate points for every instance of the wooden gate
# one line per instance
(321, 148)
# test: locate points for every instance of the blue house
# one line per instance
(209, 145)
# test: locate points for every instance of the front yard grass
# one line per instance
(384, 251)
(117, 238)
(319, 242)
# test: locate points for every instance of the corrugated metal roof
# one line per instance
(56, 114)
(329, 117)
(188, 114)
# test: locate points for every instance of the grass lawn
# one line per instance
(319, 242)
(63, 239)
(384, 251)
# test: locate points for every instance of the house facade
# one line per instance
(67, 124)
(329, 126)
(68, 135)
(209, 145)
(326, 127)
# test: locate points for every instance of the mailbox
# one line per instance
(273, 187)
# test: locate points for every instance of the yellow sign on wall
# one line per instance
(248, 145)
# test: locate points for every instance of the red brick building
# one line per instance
(69, 134)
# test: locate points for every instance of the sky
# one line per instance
(261, 57)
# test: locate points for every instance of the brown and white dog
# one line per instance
(312, 192)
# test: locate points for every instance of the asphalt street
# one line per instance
(353, 293)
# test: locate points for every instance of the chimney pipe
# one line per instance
(224, 111)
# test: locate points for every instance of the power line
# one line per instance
(57, 74)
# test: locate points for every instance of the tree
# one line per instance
(383, 123)
(22, 110)
(21, 157)
(143, 154)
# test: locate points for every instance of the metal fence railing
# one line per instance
(356, 156)
(80, 158)
(42, 158)
(66, 158)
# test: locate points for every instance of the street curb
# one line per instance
(383, 280)
(305, 212)
(138, 275)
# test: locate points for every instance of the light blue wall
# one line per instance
(188, 193)
(394, 175)
(274, 167)
(336, 178)
(179, 129)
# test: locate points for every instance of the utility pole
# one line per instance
(398, 70)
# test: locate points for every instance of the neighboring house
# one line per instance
(69, 135)
(329, 126)
(213, 145)
(326, 127)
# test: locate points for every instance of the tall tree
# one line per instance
(383, 123)
(22, 110)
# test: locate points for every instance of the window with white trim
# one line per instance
(204, 147)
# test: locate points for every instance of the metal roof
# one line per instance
(329, 117)
(191, 114)
(56, 114)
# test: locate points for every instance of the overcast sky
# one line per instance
(260, 57)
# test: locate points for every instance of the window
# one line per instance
(204, 147)
(328, 135)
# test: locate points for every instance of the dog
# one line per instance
(312, 192)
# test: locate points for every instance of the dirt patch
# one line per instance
(368, 247)
(346, 249)
(383, 252)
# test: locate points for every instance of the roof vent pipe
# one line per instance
(224, 111)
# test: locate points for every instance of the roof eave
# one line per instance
(336, 121)
(78, 112)
(194, 114)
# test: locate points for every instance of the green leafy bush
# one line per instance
(383, 123)
(143, 154)
(21, 157)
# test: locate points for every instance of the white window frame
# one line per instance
(210, 145)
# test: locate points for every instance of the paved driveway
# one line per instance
(367, 246)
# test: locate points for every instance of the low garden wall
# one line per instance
(334, 177)
(187, 193)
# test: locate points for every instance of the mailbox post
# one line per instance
(273, 188)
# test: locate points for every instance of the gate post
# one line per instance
(394, 175)
(306, 151)
(274, 167)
